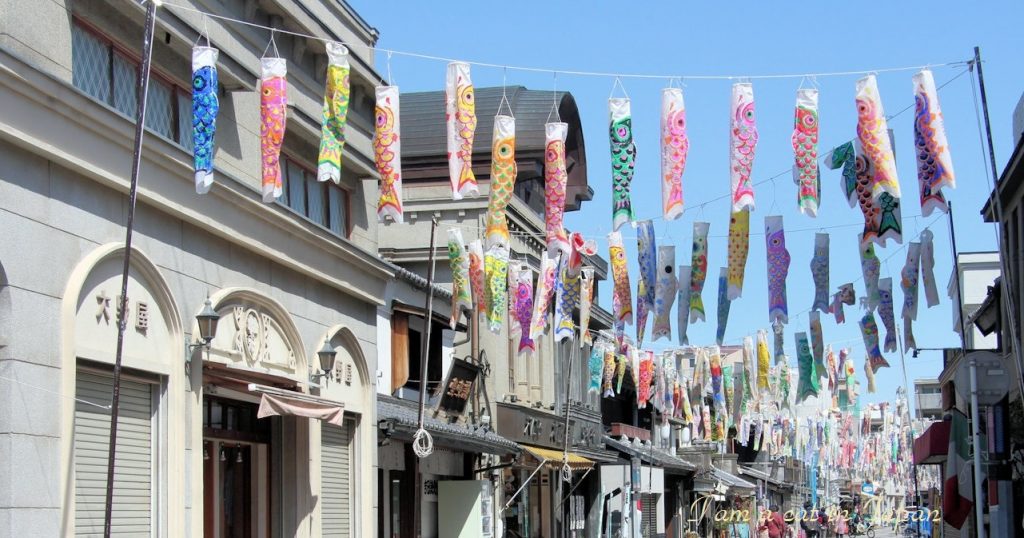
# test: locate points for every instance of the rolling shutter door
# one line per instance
(133, 488)
(335, 479)
(649, 515)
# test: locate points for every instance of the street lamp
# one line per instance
(327, 356)
(207, 320)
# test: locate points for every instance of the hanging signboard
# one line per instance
(458, 386)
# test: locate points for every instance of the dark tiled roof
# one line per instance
(652, 456)
(418, 281)
(405, 415)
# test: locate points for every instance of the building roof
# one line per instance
(650, 455)
(404, 415)
(1010, 186)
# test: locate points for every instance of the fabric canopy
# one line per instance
(554, 457)
(281, 403)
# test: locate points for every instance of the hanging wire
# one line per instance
(272, 43)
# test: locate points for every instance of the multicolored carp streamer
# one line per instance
(567, 297)
(845, 296)
(908, 280)
(476, 277)
(739, 246)
(524, 307)
(819, 272)
(674, 147)
(205, 106)
(869, 372)
(931, 292)
(730, 395)
(586, 301)
(458, 260)
(778, 269)
(665, 288)
(805, 151)
(545, 290)
(621, 294)
(503, 179)
(869, 329)
(870, 267)
(335, 114)
(683, 314)
(873, 134)
(496, 293)
(273, 116)
(620, 132)
(743, 141)
(717, 392)
(817, 340)
(645, 292)
(723, 304)
(595, 367)
(608, 374)
(643, 385)
(882, 216)
(763, 360)
(554, 187)
(934, 164)
(460, 116)
(698, 270)
(387, 154)
(885, 311)
(808, 384)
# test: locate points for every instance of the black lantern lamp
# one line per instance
(327, 355)
(207, 320)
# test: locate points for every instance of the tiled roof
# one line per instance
(405, 416)
(653, 456)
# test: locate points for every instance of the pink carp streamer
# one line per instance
(743, 142)
(674, 147)
(665, 288)
(273, 116)
(698, 270)
(460, 116)
(621, 295)
(934, 164)
(503, 179)
(778, 269)
(586, 302)
(335, 114)
(545, 289)
(458, 260)
(805, 151)
(739, 247)
(554, 187)
(873, 134)
(387, 154)
(476, 277)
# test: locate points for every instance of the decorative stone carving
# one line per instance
(103, 314)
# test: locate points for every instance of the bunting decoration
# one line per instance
(869, 373)
(817, 340)
(723, 304)
(205, 106)
(805, 151)
(524, 308)
(869, 329)
(743, 141)
(496, 272)
(739, 246)
(808, 385)
(503, 179)
(908, 283)
(460, 116)
(623, 311)
(387, 154)
(273, 116)
(885, 311)
(934, 164)
(674, 147)
(645, 292)
(555, 179)
(665, 288)
(458, 260)
(683, 298)
(586, 301)
(608, 374)
(873, 134)
(778, 268)
(545, 289)
(870, 268)
(620, 131)
(476, 277)
(335, 114)
(763, 361)
(931, 292)
(698, 270)
(845, 296)
(819, 272)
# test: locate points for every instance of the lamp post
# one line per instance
(326, 355)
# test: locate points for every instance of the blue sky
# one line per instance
(759, 38)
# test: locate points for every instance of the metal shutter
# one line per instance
(649, 514)
(133, 468)
(336, 479)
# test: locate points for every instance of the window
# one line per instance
(406, 348)
(321, 202)
(108, 73)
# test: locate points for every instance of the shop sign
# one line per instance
(458, 386)
(868, 488)
(535, 427)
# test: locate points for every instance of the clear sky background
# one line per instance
(753, 38)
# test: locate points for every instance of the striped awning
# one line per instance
(553, 458)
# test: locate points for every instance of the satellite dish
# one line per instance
(993, 377)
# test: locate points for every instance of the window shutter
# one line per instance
(133, 470)
(336, 479)
(399, 350)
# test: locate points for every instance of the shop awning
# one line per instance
(932, 445)
(554, 457)
(651, 456)
(279, 402)
(735, 483)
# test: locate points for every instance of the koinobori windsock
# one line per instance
(778, 269)
(623, 152)
(698, 270)
(645, 293)
(205, 106)
(503, 179)
(460, 116)
(387, 154)
(739, 247)
(273, 117)
(674, 147)
(934, 164)
(805, 151)
(743, 142)
(335, 114)
(555, 179)
(873, 134)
